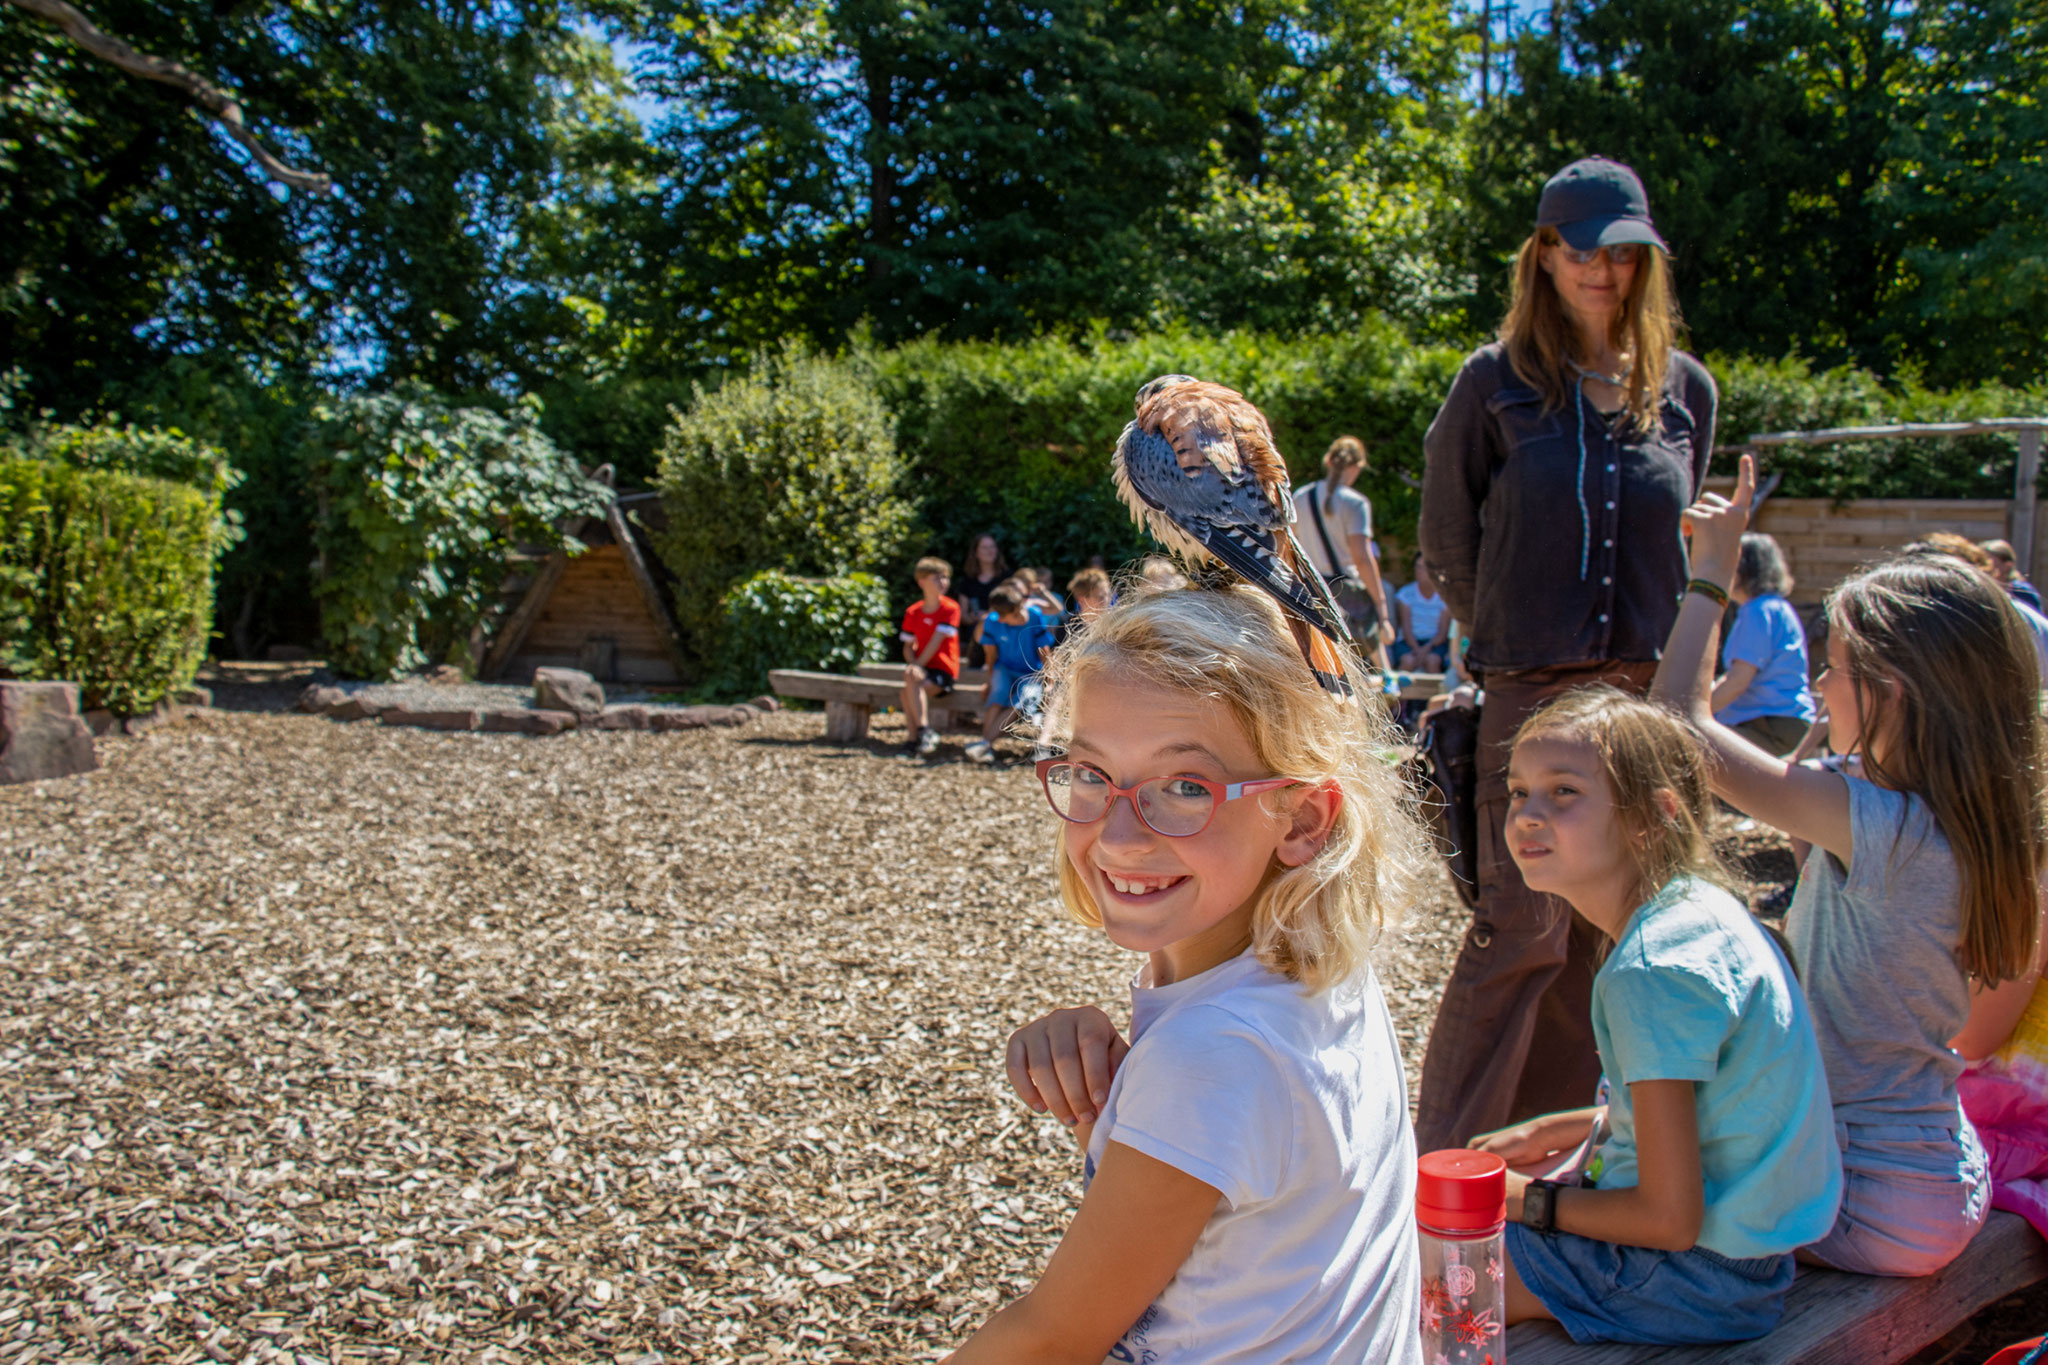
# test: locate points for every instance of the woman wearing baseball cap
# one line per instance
(1555, 474)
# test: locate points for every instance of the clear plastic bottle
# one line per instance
(1461, 1201)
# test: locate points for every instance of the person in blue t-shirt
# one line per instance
(1018, 640)
(1762, 693)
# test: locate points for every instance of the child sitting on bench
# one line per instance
(1927, 844)
(1719, 1158)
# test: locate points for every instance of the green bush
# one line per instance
(420, 506)
(107, 580)
(792, 466)
(776, 620)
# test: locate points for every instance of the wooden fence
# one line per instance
(1825, 541)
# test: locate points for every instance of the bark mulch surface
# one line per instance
(332, 1042)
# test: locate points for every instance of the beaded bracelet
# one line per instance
(1714, 592)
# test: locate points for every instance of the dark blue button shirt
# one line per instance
(1554, 536)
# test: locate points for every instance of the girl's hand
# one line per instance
(1521, 1145)
(1062, 1064)
(1717, 524)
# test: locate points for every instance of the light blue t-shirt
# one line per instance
(1768, 636)
(1697, 991)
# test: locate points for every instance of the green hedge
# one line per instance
(1016, 438)
(108, 580)
(1788, 395)
(776, 620)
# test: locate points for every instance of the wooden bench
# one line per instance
(1833, 1318)
(850, 703)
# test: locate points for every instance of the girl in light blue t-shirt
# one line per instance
(1718, 1157)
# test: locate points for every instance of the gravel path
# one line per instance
(342, 1042)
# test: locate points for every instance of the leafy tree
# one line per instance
(473, 148)
(421, 505)
(1846, 180)
(997, 169)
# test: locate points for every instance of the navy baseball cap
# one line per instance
(1596, 202)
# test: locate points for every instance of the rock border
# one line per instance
(323, 699)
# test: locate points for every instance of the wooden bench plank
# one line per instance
(850, 702)
(1834, 1318)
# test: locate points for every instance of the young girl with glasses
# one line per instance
(1249, 1165)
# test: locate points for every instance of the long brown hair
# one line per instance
(972, 564)
(1644, 749)
(1540, 338)
(1946, 670)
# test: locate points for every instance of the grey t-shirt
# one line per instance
(1875, 945)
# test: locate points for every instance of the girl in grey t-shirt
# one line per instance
(1921, 883)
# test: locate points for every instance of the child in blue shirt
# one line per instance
(1019, 640)
(1720, 1157)
(1762, 693)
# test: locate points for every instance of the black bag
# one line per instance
(1453, 749)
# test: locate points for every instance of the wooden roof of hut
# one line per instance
(604, 611)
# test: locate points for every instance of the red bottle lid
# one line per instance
(1461, 1193)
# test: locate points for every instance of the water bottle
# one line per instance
(1461, 1205)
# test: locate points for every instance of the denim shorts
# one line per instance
(1601, 1291)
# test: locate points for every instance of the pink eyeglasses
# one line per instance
(1177, 807)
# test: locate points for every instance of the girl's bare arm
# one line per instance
(1806, 803)
(1668, 1203)
(1101, 1278)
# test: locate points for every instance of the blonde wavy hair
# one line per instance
(1316, 923)
(1540, 338)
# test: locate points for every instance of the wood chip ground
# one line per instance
(333, 1043)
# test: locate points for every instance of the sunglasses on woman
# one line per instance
(1177, 807)
(1621, 253)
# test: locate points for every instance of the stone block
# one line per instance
(567, 689)
(197, 698)
(767, 701)
(622, 718)
(41, 732)
(431, 720)
(355, 708)
(669, 719)
(321, 700)
(529, 722)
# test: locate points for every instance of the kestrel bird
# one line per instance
(1199, 469)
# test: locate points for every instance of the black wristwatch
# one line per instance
(1539, 1205)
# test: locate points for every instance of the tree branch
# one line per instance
(217, 104)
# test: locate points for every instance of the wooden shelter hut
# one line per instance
(604, 611)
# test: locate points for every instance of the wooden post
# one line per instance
(2023, 498)
(846, 722)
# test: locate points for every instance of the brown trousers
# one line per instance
(1513, 1036)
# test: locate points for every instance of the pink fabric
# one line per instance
(2006, 1098)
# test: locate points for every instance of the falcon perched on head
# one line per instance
(1198, 468)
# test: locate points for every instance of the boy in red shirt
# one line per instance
(931, 651)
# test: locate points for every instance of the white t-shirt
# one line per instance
(1294, 1107)
(1348, 514)
(1423, 612)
